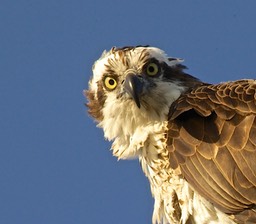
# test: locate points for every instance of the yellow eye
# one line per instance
(110, 83)
(152, 69)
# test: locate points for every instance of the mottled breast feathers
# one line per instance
(212, 137)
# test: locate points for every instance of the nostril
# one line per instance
(122, 82)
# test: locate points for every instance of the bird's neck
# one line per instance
(167, 185)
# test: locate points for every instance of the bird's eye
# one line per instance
(110, 83)
(152, 69)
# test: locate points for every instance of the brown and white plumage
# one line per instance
(196, 142)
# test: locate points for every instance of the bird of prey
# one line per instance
(196, 142)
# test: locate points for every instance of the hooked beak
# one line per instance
(133, 85)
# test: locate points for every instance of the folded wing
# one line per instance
(212, 138)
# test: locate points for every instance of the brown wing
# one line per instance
(212, 137)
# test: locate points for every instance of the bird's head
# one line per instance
(133, 87)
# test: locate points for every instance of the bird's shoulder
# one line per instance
(237, 96)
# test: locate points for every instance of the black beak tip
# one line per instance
(138, 103)
(133, 86)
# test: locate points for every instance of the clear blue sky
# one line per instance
(55, 166)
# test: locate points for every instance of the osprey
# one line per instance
(196, 142)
